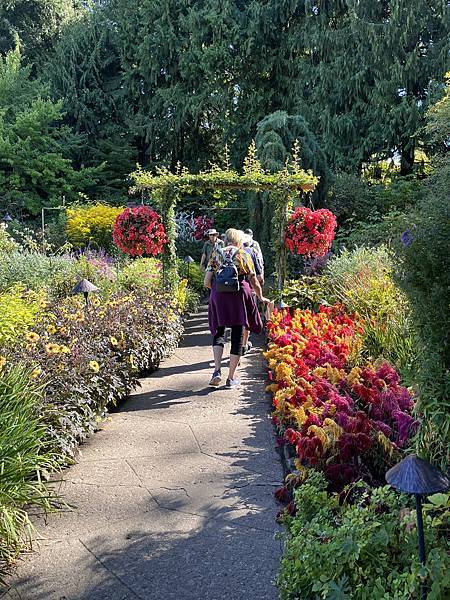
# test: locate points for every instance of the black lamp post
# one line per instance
(188, 260)
(414, 475)
(84, 287)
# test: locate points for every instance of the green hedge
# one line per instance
(365, 549)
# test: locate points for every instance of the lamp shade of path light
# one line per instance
(413, 475)
(84, 287)
(7, 219)
(188, 260)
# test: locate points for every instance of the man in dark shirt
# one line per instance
(212, 243)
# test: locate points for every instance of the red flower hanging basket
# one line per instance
(310, 232)
(139, 231)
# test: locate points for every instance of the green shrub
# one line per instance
(355, 200)
(365, 551)
(141, 273)
(22, 460)
(7, 244)
(196, 275)
(363, 280)
(425, 277)
(307, 292)
(375, 230)
(55, 274)
(18, 312)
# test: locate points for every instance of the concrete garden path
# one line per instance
(173, 497)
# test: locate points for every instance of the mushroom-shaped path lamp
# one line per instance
(188, 260)
(84, 287)
(414, 475)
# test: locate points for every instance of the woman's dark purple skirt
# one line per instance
(234, 308)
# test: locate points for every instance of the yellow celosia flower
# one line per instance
(272, 388)
(94, 366)
(283, 372)
(353, 377)
(320, 433)
(386, 443)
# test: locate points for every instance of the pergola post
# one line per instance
(281, 203)
(168, 199)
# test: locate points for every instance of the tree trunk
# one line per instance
(407, 158)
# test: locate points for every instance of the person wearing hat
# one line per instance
(212, 243)
(256, 248)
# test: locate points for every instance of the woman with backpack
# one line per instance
(231, 276)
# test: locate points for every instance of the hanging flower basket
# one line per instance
(310, 232)
(139, 231)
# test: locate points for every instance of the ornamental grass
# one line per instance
(23, 459)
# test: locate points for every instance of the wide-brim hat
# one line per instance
(212, 232)
(247, 239)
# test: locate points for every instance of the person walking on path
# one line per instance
(253, 244)
(234, 309)
(212, 243)
(248, 247)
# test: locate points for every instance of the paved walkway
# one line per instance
(173, 497)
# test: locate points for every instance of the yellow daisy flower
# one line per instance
(64, 349)
(51, 329)
(95, 302)
(52, 348)
(94, 366)
(114, 341)
(32, 336)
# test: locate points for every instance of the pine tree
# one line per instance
(35, 25)
(85, 71)
(357, 70)
(34, 166)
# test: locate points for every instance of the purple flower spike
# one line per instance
(406, 238)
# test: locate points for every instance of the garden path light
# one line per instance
(188, 260)
(414, 475)
(84, 287)
(7, 218)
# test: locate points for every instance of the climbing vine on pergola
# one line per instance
(166, 188)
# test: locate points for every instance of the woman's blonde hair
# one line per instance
(234, 237)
